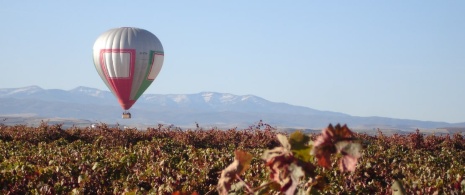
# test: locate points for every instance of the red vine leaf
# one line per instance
(286, 170)
(333, 140)
(323, 147)
(240, 164)
(351, 153)
(244, 159)
(342, 133)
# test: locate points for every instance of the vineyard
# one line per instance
(258, 160)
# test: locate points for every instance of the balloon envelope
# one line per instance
(128, 60)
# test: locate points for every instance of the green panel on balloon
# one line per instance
(155, 63)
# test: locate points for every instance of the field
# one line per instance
(167, 160)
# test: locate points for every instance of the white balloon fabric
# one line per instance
(128, 60)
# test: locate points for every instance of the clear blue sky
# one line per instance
(399, 59)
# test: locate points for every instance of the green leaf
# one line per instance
(300, 147)
(303, 154)
(298, 140)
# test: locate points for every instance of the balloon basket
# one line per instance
(126, 115)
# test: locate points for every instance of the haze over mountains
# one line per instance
(83, 106)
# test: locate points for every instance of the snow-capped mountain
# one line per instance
(219, 109)
(224, 102)
(20, 91)
(91, 92)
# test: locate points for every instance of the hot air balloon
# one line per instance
(128, 60)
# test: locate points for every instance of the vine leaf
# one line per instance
(240, 164)
(351, 153)
(244, 159)
(284, 142)
(397, 188)
(285, 167)
(300, 147)
(323, 147)
(184, 193)
(296, 174)
(338, 139)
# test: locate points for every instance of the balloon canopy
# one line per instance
(128, 60)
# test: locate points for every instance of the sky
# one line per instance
(397, 59)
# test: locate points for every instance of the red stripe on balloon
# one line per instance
(121, 86)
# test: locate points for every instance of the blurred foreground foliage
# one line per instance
(165, 160)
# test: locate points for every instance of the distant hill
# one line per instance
(84, 105)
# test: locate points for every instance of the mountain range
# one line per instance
(84, 105)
